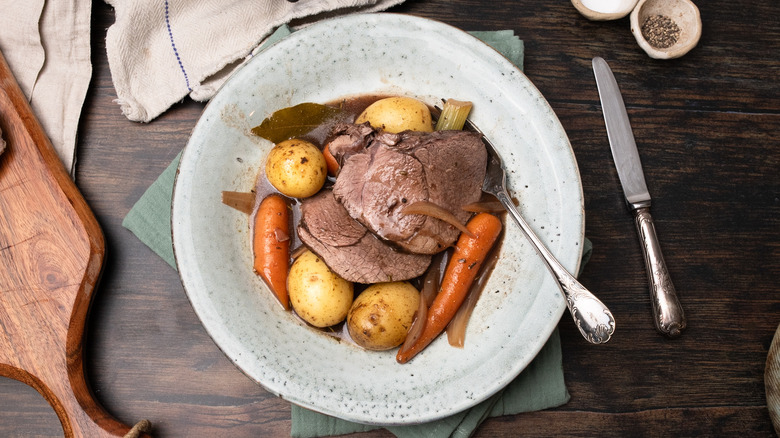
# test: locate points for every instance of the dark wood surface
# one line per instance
(707, 128)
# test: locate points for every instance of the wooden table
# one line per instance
(707, 128)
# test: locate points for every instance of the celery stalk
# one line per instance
(453, 115)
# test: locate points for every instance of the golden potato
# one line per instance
(296, 168)
(396, 114)
(381, 315)
(317, 294)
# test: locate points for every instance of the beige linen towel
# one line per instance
(46, 44)
(160, 51)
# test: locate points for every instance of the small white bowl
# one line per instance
(683, 13)
(603, 10)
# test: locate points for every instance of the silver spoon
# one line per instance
(592, 317)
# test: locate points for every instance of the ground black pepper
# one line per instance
(660, 31)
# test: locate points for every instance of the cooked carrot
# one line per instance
(271, 246)
(464, 264)
(330, 161)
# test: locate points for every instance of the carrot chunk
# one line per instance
(271, 246)
(470, 252)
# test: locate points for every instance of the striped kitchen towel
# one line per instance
(160, 51)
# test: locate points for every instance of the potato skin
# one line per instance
(381, 315)
(396, 114)
(296, 168)
(317, 294)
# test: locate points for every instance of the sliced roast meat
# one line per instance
(349, 139)
(326, 220)
(446, 168)
(376, 185)
(349, 249)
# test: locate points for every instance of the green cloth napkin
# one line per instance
(539, 386)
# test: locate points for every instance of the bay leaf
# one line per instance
(294, 121)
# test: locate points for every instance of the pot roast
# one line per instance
(375, 183)
(349, 249)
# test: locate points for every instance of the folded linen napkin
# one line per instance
(539, 386)
(47, 47)
(161, 51)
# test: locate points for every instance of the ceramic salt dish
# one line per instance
(603, 10)
(666, 29)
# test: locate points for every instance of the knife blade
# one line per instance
(668, 314)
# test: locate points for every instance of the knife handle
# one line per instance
(667, 311)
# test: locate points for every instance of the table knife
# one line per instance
(667, 311)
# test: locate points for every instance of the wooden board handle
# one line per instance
(51, 254)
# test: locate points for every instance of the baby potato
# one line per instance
(396, 114)
(381, 315)
(317, 294)
(296, 168)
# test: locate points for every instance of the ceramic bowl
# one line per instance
(603, 10)
(376, 54)
(683, 13)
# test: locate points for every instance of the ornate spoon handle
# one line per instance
(592, 317)
(667, 311)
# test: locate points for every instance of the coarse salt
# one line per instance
(607, 6)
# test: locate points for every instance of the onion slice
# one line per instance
(281, 236)
(433, 210)
(241, 201)
(295, 253)
(484, 207)
(428, 291)
(418, 324)
(432, 281)
(456, 329)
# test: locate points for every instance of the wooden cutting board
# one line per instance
(51, 256)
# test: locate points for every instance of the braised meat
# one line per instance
(349, 249)
(446, 168)
(349, 139)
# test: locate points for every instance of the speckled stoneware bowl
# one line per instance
(358, 54)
